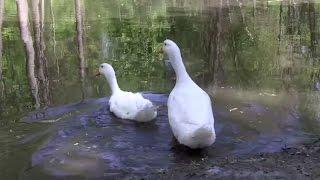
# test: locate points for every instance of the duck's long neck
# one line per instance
(112, 80)
(179, 68)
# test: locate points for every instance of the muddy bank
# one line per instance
(300, 162)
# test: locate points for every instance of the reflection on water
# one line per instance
(258, 59)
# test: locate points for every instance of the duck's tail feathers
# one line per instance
(203, 132)
(148, 113)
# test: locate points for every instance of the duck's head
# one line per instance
(106, 70)
(170, 48)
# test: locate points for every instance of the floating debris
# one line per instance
(161, 171)
(214, 171)
(52, 160)
(50, 120)
(233, 109)
(76, 144)
(269, 94)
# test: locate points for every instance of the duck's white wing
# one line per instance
(123, 105)
(129, 105)
(147, 111)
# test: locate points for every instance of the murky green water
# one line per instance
(264, 53)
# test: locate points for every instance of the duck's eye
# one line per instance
(101, 66)
(165, 44)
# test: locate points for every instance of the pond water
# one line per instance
(259, 61)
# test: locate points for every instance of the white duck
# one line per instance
(189, 107)
(127, 105)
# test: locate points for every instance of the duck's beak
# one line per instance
(97, 73)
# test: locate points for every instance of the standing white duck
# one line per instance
(127, 105)
(189, 107)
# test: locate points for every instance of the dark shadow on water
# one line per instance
(185, 154)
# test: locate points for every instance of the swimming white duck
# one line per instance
(127, 105)
(189, 107)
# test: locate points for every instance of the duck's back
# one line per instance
(128, 105)
(190, 115)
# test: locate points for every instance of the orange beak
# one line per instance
(97, 73)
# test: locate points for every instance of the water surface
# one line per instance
(259, 62)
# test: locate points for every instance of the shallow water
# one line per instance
(94, 143)
(258, 61)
